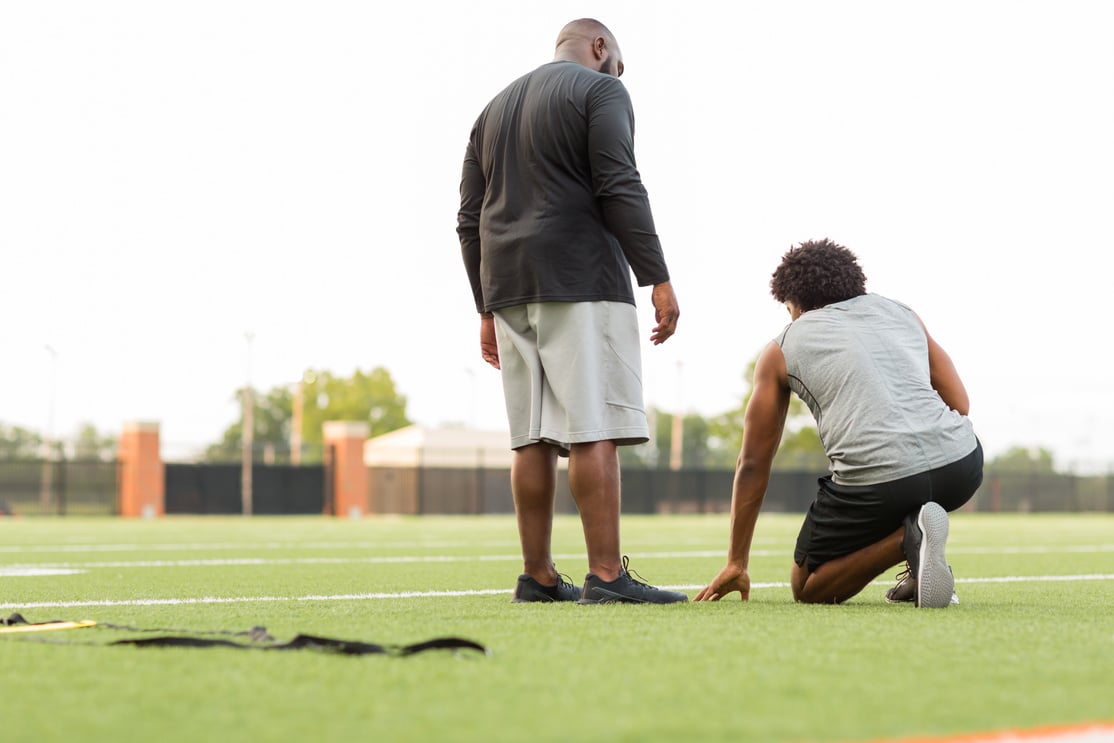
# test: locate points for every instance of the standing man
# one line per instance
(553, 218)
(891, 411)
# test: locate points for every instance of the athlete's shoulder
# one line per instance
(880, 300)
(783, 335)
(581, 75)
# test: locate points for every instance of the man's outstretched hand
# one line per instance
(730, 578)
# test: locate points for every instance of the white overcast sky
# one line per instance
(175, 175)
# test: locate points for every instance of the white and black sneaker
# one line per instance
(905, 590)
(926, 534)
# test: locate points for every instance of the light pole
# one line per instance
(247, 434)
(299, 406)
(676, 443)
(471, 396)
(47, 490)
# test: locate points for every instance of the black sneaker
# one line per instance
(527, 590)
(626, 590)
(926, 533)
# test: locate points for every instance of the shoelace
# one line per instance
(564, 580)
(637, 578)
(906, 573)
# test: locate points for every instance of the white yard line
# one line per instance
(254, 599)
(443, 594)
(223, 546)
(377, 560)
(25, 568)
(318, 545)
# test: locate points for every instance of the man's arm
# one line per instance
(944, 377)
(617, 184)
(763, 424)
(472, 188)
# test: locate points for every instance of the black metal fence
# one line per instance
(77, 487)
(476, 491)
(81, 487)
(216, 489)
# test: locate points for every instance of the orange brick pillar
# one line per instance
(140, 482)
(344, 441)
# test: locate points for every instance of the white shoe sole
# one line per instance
(935, 584)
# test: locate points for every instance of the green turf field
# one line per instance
(1031, 643)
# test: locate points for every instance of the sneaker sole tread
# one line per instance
(935, 583)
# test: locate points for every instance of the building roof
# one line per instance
(446, 446)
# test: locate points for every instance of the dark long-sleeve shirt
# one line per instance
(552, 207)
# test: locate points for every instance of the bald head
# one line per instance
(588, 42)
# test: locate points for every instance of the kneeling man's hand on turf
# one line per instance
(731, 578)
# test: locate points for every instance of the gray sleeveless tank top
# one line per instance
(861, 366)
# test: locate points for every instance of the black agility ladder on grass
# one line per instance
(258, 639)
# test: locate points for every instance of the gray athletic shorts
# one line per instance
(572, 373)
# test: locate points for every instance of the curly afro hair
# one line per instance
(817, 273)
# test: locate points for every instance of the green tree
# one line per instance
(800, 446)
(89, 443)
(658, 452)
(271, 420)
(19, 443)
(370, 397)
(694, 441)
(725, 437)
(1023, 460)
(801, 450)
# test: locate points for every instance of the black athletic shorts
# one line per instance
(844, 519)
